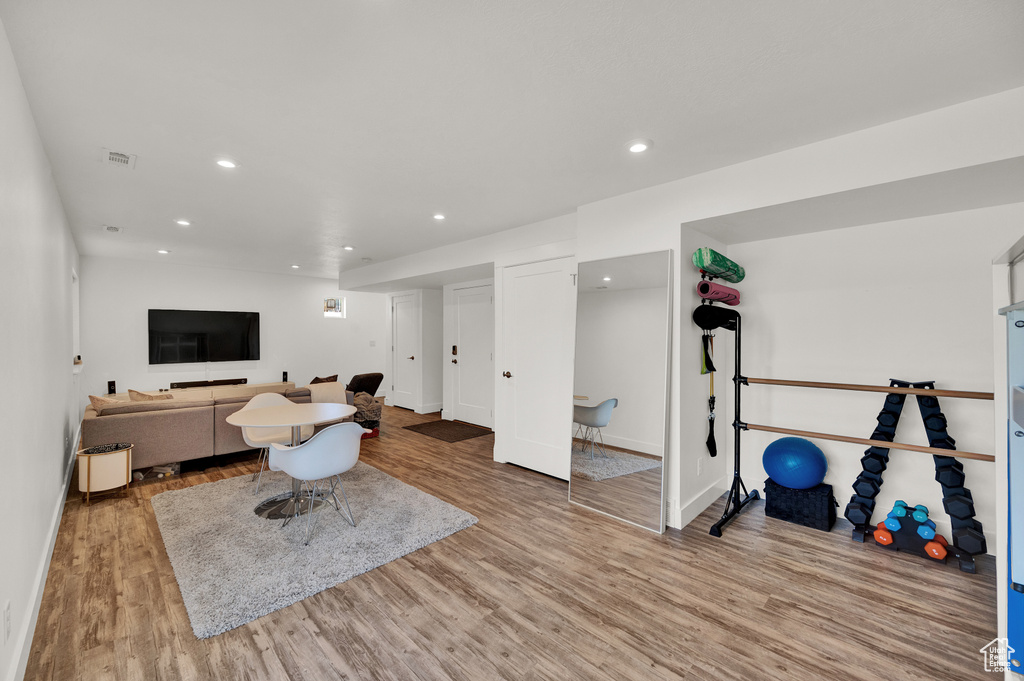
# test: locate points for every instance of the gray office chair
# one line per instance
(591, 420)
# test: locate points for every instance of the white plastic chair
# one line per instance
(328, 454)
(593, 419)
(261, 438)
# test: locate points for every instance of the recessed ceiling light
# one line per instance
(349, 248)
(639, 145)
(163, 252)
(295, 267)
(183, 223)
(438, 216)
(227, 163)
(607, 279)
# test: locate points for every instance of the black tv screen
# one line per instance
(179, 336)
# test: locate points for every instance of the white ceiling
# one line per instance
(354, 121)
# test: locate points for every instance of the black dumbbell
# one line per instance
(959, 506)
(874, 462)
(951, 475)
(867, 484)
(943, 443)
(936, 422)
(887, 419)
(970, 540)
(859, 512)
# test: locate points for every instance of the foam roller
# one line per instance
(715, 264)
(723, 294)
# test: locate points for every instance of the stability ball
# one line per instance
(795, 463)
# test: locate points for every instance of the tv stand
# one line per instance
(208, 384)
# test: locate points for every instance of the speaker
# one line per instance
(111, 388)
(284, 376)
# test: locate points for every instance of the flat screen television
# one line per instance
(181, 336)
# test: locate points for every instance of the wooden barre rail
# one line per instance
(873, 443)
(875, 388)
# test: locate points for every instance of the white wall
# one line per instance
(39, 408)
(294, 335)
(911, 300)
(620, 353)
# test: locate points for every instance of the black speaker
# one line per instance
(111, 389)
(284, 376)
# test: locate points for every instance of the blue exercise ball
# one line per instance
(795, 463)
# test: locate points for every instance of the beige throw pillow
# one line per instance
(99, 403)
(136, 396)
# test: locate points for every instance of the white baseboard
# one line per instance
(429, 408)
(651, 448)
(684, 514)
(23, 642)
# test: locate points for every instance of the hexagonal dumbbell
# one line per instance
(920, 513)
(874, 462)
(893, 524)
(926, 531)
(959, 506)
(970, 539)
(951, 475)
(859, 512)
(867, 485)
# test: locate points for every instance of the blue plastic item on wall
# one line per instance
(795, 463)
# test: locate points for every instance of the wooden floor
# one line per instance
(538, 589)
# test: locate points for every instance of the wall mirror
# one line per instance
(621, 386)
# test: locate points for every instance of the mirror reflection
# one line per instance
(620, 407)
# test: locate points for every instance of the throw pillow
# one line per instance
(326, 379)
(98, 403)
(136, 396)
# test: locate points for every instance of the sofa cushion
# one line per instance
(136, 396)
(233, 399)
(297, 392)
(155, 405)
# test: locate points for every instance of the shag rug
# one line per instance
(233, 566)
(449, 431)
(611, 466)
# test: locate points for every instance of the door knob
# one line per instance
(412, 357)
(455, 361)
(507, 375)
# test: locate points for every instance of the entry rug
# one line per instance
(233, 566)
(449, 431)
(612, 466)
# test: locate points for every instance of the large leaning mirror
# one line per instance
(620, 400)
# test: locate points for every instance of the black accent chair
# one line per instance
(365, 383)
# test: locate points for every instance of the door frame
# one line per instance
(448, 408)
(389, 332)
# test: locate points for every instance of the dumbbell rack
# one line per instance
(968, 534)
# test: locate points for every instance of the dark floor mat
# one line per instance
(449, 431)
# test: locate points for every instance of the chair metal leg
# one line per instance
(336, 480)
(309, 514)
(264, 456)
(604, 452)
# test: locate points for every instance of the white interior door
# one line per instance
(535, 368)
(473, 356)
(405, 330)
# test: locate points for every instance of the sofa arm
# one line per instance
(159, 437)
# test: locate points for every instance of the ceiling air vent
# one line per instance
(112, 229)
(118, 159)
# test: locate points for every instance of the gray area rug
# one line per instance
(233, 566)
(611, 466)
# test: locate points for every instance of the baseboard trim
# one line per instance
(23, 644)
(429, 408)
(651, 448)
(697, 505)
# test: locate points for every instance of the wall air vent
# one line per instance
(118, 159)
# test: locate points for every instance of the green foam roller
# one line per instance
(717, 265)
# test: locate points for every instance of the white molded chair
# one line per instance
(320, 461)
(261, 438)
(593, 419)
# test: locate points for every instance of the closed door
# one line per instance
(535, 371)
(472, 357)
(405, 326)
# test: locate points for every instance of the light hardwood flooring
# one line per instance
(539, 589)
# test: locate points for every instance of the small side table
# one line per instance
(104, 467)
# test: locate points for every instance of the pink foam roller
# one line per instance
(722, 294)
